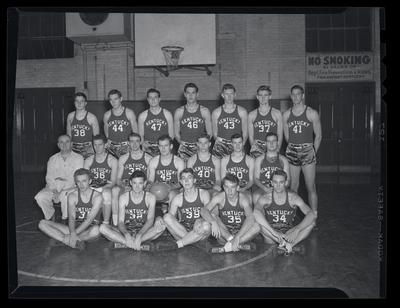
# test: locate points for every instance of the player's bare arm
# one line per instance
(141, 119)
(217, 164)
(215, 114)
(92, 120)
(285, 118)
(105, 122)
(277, 117)
(170, 121)
(121, 162)
(205, 113)
(243, 115)
(286, 167)
(88, 162)
(177, 128)
(224, 163)
(130, 114)
(314, 118)
(251, 118)
(152, 169)
(69, 122)
(175, 204)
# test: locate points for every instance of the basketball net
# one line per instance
(171, 55)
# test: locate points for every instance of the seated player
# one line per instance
(231, 217)
(207, 168)
(136, 217)
(164, 168)
(83, 206)
(189, 227)
(135, 159)
(275, 213)
(103, 169)
(240, 165)
(266, 164)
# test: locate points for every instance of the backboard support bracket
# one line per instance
(165, 71)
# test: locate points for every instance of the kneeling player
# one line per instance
(136, 217)
(189, 227)
(233, 222)
(83, 206)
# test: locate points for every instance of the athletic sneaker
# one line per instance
(250, 246)
(148, 247)
(119, 245)
(166, 245)
(218, 249)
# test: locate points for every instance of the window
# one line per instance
(346, 31)
(42, 36)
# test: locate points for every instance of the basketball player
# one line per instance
(164, 168)
(119, 122)
(227, 120)
(191, 121)
(266, 164)
(240, 165)
(207, 168)
(103, 169)
(83, 206)
(299, 124)
(59, 179)
(154, 122)
(189, 227)
(263, 120)
(135, 159)
(275, 213)
(233, 225)
(136, 217)
(82, 125)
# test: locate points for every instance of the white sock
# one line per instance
(179, 243)
(228, 247)
(230, 238)
(115, 219)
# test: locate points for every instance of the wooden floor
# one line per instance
(342, 253)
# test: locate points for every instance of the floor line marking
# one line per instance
(27, 223)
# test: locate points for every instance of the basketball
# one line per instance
(160, 190)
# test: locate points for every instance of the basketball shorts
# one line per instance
(85, 148)
(258, 148)
(283, 228)
(151, 148)
(233, 229)
(204, 183)
(95, 222)
(133, 229)
(222, 148)
(301, 154)
(187, 150)
(188, 225)
(117, 149)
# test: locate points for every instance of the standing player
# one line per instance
(191, 121)
(227, 120)
(263, 120)
(103, 170)
(82, 125)
(207, 168)
(266, 164)
(234, 224)
(136, 217)
(275, 213)
(240, 165)
(83, 206)
(189, 227)
(154, 122)
(119, 122)
(135, 159)
(299, 124)
(164, 168)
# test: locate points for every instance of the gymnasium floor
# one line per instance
(342, 253)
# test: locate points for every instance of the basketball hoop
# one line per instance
(171, 55)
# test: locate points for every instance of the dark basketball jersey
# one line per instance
(232, 216)
(190, 211)
(263, 125)
(300, 128)
(82, 209)
(192, 125)
(133, 164)
(280, 216)
(100, 172)
(240, 169)
(81, 130)
(205, 173)
(268, 167)
(166, 174)
(135, 214)
(119, 127)
(155, 126)
(229, 124)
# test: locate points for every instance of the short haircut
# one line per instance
(133, 134)
(81, 171)
(271, 134)
(152, 90)
(297, 87)
(228, 86)
(264, 88)
(204, 135)
(164, 137)
(63, 135)
(236, 136)
(187, 170)
(279, 172)
(80, 94)
(100, 137)
(114, 91)
(190, 85)
(231, 178)
(138, 174)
